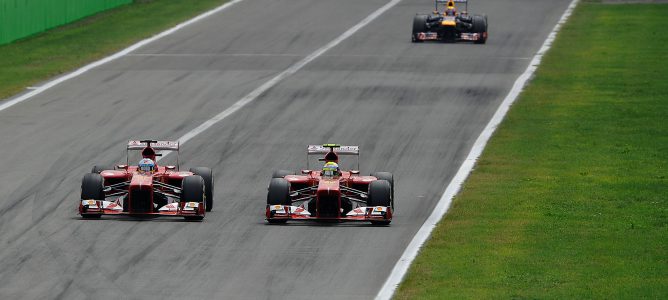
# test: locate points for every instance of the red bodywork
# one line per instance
(135, 192)
(339, 198)
(130, 191)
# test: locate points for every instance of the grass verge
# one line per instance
(568, 200)
(42, 56)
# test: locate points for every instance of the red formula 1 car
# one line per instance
(152, 192)
(338, 196)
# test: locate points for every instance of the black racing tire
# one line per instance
(390, 178)
(419, 25)
(281, 173)
(279, 192)
(207, 175)
(99, 168)
(193, 190)
(480, 26)
(92, 188)
(380, 192)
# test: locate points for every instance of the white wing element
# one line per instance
(158, 145)
(340, 150)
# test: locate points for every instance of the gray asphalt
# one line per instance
(415, 110)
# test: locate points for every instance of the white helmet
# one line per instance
(146, 165)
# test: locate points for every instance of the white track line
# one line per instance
(84, 69)
(289, 71)
(214, 55)
(401, 267)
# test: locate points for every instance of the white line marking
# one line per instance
(115, 56)
(287, 72)
(460, 58)
(212, 54)
(401, 267)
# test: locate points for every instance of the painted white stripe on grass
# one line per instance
(289, 71)
(84, 69)
(455, 184)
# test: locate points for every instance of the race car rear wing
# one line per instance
(340, 150)
(445, 2)
(327, 148)
(156, 145)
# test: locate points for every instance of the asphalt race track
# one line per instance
(414, 109)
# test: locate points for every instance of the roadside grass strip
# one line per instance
(42, 56)
(569, 199)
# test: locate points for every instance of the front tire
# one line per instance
(92, 188)
(193, 190)
(390, 178)
(419, 25)
(380, 192)
(278, 194)
(480, 27)
(207, 175)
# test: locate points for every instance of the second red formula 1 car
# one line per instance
(147, 189)
(330, 194)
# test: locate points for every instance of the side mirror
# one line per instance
(306, 171)
(355, 172)
(170, 167)
(122, 167)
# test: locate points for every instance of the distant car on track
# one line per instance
(147, 189)
(330, 194)
(449, 25)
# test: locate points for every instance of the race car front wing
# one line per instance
(433, 36)
(175, 209)
(359, 214)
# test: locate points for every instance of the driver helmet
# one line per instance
(147, 165)
(330, 169)
(451, 9)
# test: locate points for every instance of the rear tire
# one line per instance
(99, 168)
(207, 175)
(92, 188)
(419, 25)
(281, 173)
(193, 190)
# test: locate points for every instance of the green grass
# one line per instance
(42, 56)
(569, 199)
